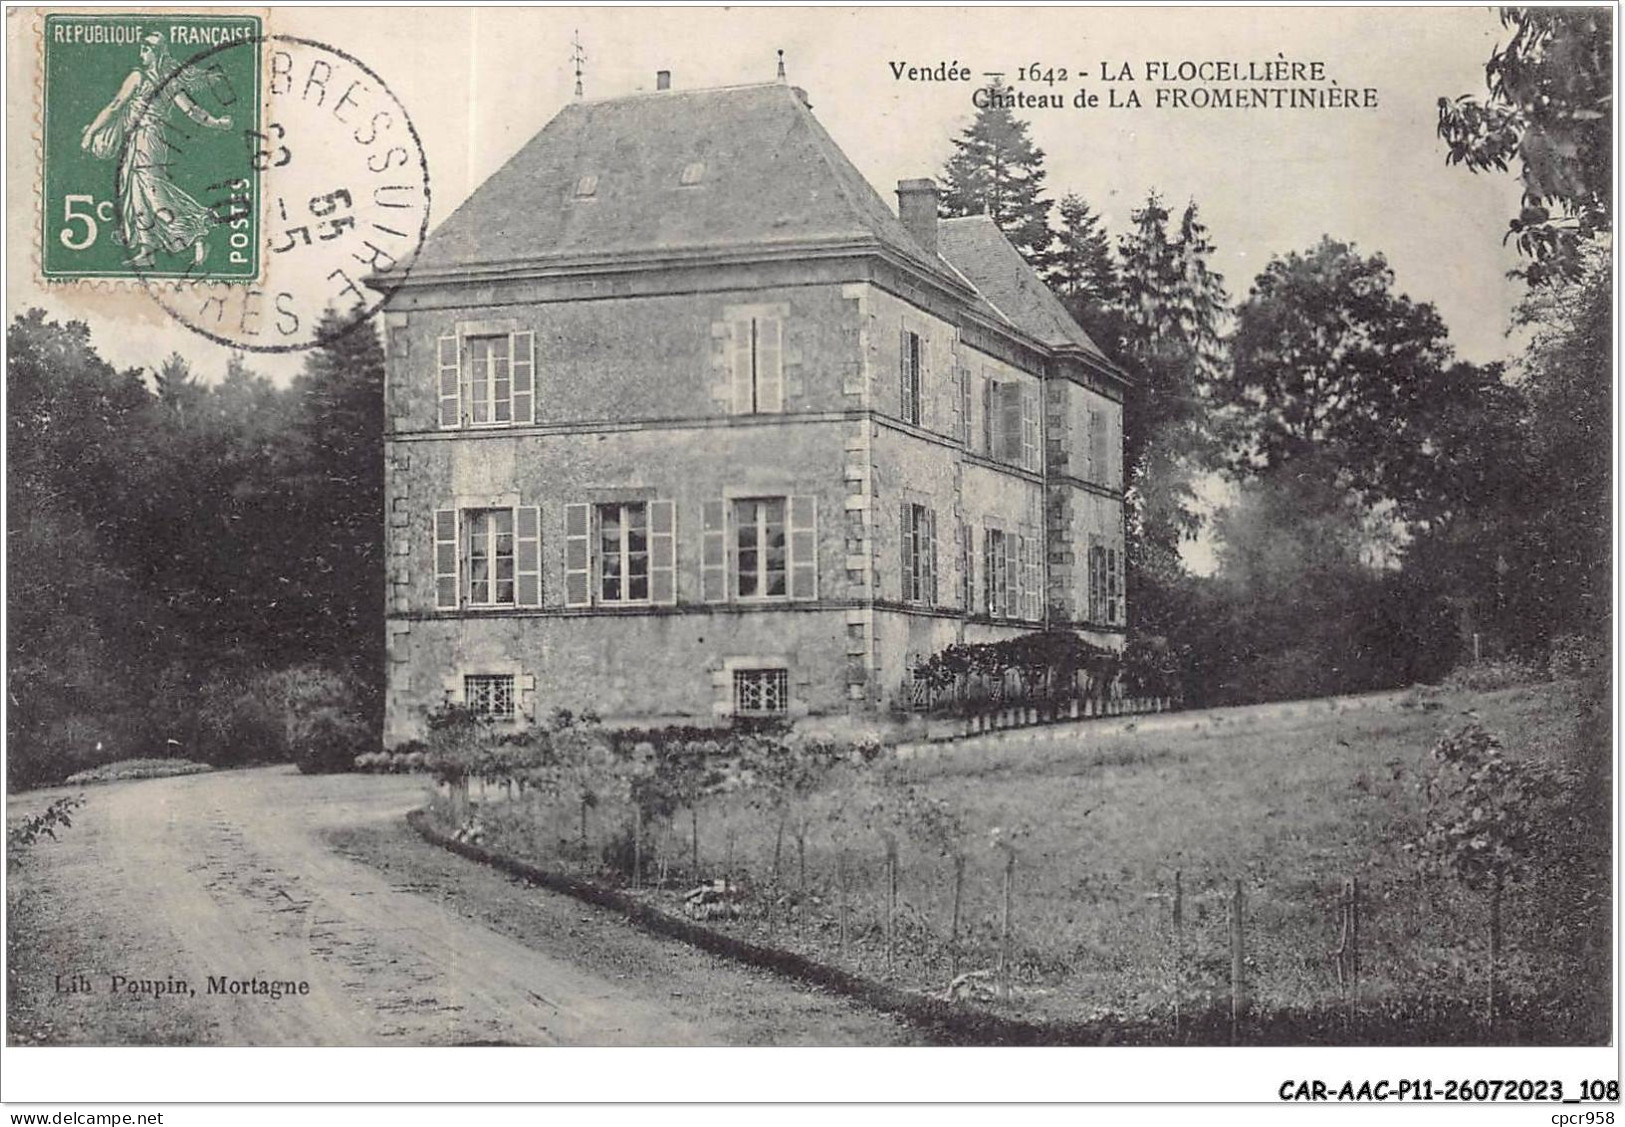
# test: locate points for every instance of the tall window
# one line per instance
(761, 548)
(996, 569)
(909, 372)
(1105, 586)
(620, 552)
(489, 695)
(490, 380)
(487, 557)
(919, 555)
(623, 553)
(490, 556)
(487, 380)
(758, 365)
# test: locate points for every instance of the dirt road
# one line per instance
(259, 875)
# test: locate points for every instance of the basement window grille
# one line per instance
(489, 695)
(761, 692)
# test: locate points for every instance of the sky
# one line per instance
(478, 84)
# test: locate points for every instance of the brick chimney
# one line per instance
(917, 208)
(662, 80)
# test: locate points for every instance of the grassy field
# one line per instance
(1290, 801)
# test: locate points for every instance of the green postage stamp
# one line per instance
(148, 134)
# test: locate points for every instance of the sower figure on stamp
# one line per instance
(154, 212)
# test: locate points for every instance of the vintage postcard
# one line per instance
(1069, 527)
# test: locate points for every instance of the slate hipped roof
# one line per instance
(770, 177)
(977, 247)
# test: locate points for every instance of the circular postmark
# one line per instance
(327, 195)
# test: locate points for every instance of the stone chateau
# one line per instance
(684, 423)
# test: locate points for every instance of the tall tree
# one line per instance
(1566, 374)
(1550, 107)
(1336, 376)
(1083, 265)
(338, 579)
(997, 171)
(1171, 313)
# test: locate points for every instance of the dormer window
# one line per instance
(692, 174)
(587, 186)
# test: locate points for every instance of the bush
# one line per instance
(322, 719)
(126, 769)
(241, 719)
(1577, 655)
(1488, 676)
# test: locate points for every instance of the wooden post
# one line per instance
(637, 843)
(1238, 994)
(840, 865)
(1004, 925)
(891, 904)
(953, 931)
(1495, 950)
(1354, 948)
(1179, 950)
(694, 829)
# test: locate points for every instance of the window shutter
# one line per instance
(770, 365)
(1035, 577)
(1010, 419)
(1111, 585)
(989, 571)
(1092, 580)
(1012, 581)
(1029, 427)
(989, 430)
(744, 401)
(804, 547)
(714, 553)
(522, 347)
(577, 555)
(528, 556)
(930, 593)
(662, 552)
(905, 407)
(1018, 586)
(445, 559)
(967, 567)
(905, 551)
(1097, 447)
(1112, 475)
(450, 381)
(964, 406)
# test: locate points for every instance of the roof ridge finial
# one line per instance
(578, 57)
(781, 64)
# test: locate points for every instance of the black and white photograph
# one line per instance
(990, 530)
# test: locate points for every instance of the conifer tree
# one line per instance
(1171, 312)
(997, 171)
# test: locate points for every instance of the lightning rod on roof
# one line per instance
(578, 57)
(781, 64)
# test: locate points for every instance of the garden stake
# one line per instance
(891, 903)
(953, 932)
(637, 844)
(1495, 947)
(1238, 998)
(1179, 950)
(840, 865)
(1004, 925)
